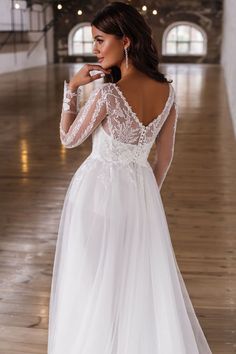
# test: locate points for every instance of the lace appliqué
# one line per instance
(70, 99)
(122, 141)
(124, 123)
(172, 145)
(86, 119)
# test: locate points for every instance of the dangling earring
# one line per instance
(126, 58)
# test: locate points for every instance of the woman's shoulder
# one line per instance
(106, 88)
(143, 84)
(143, 87)
(99, 89)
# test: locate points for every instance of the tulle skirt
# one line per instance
(116, 286)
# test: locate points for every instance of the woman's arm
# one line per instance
(77, 124)
(165, 142)
(71, 99)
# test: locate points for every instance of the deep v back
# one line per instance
(132, 110)
(123, 124)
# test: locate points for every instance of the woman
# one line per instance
(116, 286)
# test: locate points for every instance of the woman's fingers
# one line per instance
(95, 77)
(83, 76)
(98, 67)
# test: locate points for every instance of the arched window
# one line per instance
(184, 38)
(80, 40)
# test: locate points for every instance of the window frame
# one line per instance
(71, 39)
(179, 23)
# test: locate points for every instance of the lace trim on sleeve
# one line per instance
(70, 99)
(83, 121)
(172, 146)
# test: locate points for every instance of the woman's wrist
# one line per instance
(72, 87)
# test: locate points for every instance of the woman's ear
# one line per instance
(126, 42)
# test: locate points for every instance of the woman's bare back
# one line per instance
(147, 97)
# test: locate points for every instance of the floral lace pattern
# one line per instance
(119, 137)
(86, 120)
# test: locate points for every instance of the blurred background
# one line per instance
(43, 43)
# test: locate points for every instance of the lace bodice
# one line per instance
(118, 134)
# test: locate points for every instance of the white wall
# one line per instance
(5, 15)
(13, 58)
(20, 60)
(21, 16)
(228, 57)
(49, 39)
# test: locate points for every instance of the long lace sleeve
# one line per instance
(165, 142)
(76, 124)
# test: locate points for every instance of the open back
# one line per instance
(108, 109)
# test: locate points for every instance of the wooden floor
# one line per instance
(199, 196)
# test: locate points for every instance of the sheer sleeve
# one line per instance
(165, 142)
(76, 124)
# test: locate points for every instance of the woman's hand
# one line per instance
(82, 77)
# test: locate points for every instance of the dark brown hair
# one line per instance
(121, 19)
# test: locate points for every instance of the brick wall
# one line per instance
(205, 13)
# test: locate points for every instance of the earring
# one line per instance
(126, 58)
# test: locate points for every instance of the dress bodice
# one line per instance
(122, 137)
(106, 148)
(118, 135)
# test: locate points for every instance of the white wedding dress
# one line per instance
(116, 286)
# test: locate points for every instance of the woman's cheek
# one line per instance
(106, 49)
